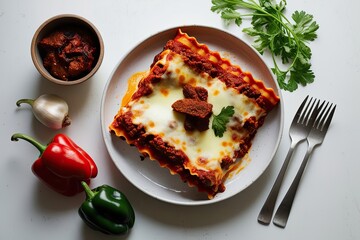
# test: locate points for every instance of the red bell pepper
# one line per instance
(62, 164)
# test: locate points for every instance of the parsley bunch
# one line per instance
(273, 31)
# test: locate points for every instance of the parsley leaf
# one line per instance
(273, 31)
(219, 121)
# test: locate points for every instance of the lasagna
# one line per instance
(175, 108)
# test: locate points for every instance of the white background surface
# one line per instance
(328, 202)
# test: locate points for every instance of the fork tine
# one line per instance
(315, 113)
(326, 120)
(320, 119)
(310, 116)
(306, 112)
(300, 110)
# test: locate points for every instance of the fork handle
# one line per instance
(267, 210)
(282, 213)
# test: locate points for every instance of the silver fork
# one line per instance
(315, 138)
(299, 130)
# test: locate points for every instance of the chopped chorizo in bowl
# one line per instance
(67, 49)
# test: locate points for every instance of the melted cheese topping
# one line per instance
(203, 149)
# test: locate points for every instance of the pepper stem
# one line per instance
(28, 101)
(89, 193)
(39, 146)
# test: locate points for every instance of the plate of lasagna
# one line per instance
(192, 115)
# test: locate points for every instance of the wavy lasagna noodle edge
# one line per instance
(148, 122)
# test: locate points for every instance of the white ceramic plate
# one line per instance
(147, 175)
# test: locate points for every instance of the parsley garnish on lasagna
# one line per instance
(170, 115)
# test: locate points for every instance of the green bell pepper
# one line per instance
(107, 210)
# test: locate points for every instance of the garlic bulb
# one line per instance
(50, 110)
